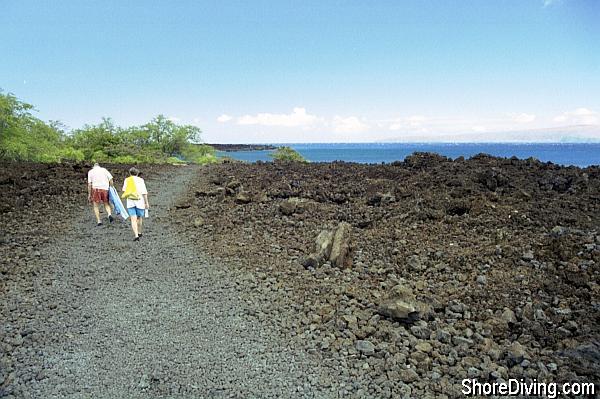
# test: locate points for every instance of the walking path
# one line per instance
(123, 319)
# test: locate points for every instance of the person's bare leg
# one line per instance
(107, 208)
(134, 225)
(139, 222)
(97, 212)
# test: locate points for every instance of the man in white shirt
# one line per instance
(99, 181)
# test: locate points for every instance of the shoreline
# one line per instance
(579, 154)
(242, 147)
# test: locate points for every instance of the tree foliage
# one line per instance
(171, 139)
(287, 154)
(201, 153)
(25, 137)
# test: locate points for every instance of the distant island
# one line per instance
(242, 147)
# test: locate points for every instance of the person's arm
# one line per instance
(109, 176)
(144, 192)
(89, 185)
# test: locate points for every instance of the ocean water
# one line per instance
(577, 154)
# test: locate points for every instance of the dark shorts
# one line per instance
(99, 196)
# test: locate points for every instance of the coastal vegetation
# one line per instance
(287, 154)
(26, 137)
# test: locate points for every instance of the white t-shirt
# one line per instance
(140, 186)
(99, 177)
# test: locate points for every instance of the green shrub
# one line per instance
(206, 159)
(193, 151)
(287, 154)
(175, 160)
(14, 149)
(71, 154)
(99, 156)
(205, 149)
(125, 159)
(48, 157)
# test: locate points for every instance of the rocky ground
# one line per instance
(408, 277)
(294, 280)
(87, 312)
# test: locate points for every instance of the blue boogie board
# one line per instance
(117, 203)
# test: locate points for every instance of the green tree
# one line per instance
(25, 137)
(170, 138)
(136, 136)
(95, 141)
(12, 113)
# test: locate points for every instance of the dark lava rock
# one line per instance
(288, 207)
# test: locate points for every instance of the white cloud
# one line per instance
(522, 117)
(414, 121)
(174, 119)
(458, 123)
(350, 124)
(224, 118)
(396, 126)
(301, 126)
(298, 118)
(560, 118)
(580, 116)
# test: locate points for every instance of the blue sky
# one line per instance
(309, 71)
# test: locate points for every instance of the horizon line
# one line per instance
(597, 141)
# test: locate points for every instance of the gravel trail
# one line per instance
(113, 318)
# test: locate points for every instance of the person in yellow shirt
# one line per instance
(134, 190)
